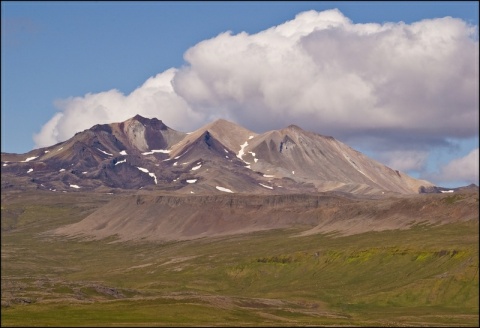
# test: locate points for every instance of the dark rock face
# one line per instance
(143, 153)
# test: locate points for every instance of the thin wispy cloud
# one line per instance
(320, 71)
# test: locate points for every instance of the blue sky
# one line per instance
(52, 51)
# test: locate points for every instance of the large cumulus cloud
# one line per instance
(379, 82)
(339, 78)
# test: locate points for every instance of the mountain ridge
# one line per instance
(144, 153)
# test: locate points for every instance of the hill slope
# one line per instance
(163, 217)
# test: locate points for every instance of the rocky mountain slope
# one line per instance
(220, 157)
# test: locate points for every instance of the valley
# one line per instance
(426, 274)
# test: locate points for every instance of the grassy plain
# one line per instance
(424, 276)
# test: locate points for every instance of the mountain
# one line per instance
(220, 157)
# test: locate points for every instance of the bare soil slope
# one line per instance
(163, 217)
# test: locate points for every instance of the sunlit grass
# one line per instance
(425, 275)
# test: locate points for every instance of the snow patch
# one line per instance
(5, 164)
(444, 191)
(293, 172)
(59, 148)
(196, 167)
(149, 173)
(175, 164)
(223, 189)
(120, 162)
(265, 186)
(123, 152)
(268, 176)
(104, 152)
(29, 170)
(61, 170)
(153, 176)
(84, 172)
(192, 180)
(74, 186)
(241, 152)
(254, 158)
(251, 137)
(47, 151)
(164, 151)
(30, 158)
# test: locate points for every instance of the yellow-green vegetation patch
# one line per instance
(453, 198)
(426, 275)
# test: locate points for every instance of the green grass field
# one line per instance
(425, 276)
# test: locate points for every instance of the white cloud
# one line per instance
(155, 98)
(462, 169)
(404, 160)
(327, 74)
(393, 81)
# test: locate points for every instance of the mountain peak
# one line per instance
(221, 121)
(139, 118)
(154, 122)
(294, 127)
(222, 124)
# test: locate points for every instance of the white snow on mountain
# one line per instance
(265, 186)
(164, 151)
(105, 152)
(30, 158)
(223, 189)
(149, 173)
(241, 151)
(196, 167)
